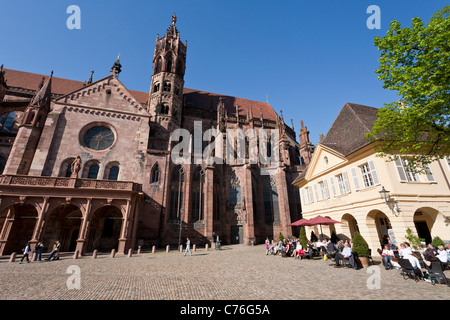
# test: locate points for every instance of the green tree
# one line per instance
(302, 238)
(415, 61)
(436, 242)
(413, 239)
(280, 237)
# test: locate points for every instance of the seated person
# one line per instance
(392, 246)
(428, 257)
(387, 254)
(346, 254)
(442, 255)
(406, 253)
(297, 249)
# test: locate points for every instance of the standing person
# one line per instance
(55, 251)
(267, 247)
(188, 247)
(26, 252)
(38, 250)
(387, 254)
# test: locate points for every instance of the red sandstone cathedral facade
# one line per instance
(90, 163)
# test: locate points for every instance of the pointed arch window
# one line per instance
(154, 177)
(176, 193)
(158, 65)
(271, 207)
(198, 181)
(169, 64)
(235, 190)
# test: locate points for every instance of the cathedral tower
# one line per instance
(167, 82)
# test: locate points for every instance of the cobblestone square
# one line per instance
(236, 272)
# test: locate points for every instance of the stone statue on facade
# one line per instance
(75, 167)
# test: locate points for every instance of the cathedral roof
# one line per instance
(28, 82)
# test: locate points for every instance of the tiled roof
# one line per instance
(193, 98)
(346, 134)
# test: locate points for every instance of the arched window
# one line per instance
(271, 208)
(158, 65)
(198, 181)
(113, 173)
(154, 176)
(235, 190)
(156, 87)
(93, 171)
(169, 64)
(164, 108)
(167, 86)
(176, 193)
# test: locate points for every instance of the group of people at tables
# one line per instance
(419, 260)
(342, 252)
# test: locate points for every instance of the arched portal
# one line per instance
(382, 223)
(104, 229)
(63, 225)
(349, 226)
(17, 224)
(424, 220)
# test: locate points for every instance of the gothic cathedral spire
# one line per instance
(167, 82)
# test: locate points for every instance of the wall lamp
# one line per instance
(386, 196)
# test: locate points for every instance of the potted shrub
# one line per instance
(302, 238)
(361, 248)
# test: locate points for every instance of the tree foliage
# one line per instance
(415, 61)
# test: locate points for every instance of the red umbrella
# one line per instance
(319, 220)
(301, 222)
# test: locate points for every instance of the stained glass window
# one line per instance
(99, 138)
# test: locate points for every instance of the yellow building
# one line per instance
(345, 177)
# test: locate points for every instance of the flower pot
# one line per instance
(364, 261)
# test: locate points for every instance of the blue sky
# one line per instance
(308, 57)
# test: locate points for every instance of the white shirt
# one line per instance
(299, 246)
(388, 252)
(347, 252)
(442, 255)
(414, 261)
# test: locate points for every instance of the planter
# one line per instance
(364, 261)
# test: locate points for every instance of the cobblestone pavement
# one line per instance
(234, 273)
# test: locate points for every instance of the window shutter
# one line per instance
(327, 192)
(347, 185)
(316, 192)
(373, 170)
(429, 173)
(303, 196)
(400, 170)
(333, 187)
(355, 178)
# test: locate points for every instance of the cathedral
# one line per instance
(93, 164)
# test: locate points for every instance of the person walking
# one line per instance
(38, 250)
(55, 251)
(188, 247)
(26, 252)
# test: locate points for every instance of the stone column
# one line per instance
(84, 228)
(6, 229)
(209, 203)
(283, 201)
(39, 223)
(122, 247)
(249, 227)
